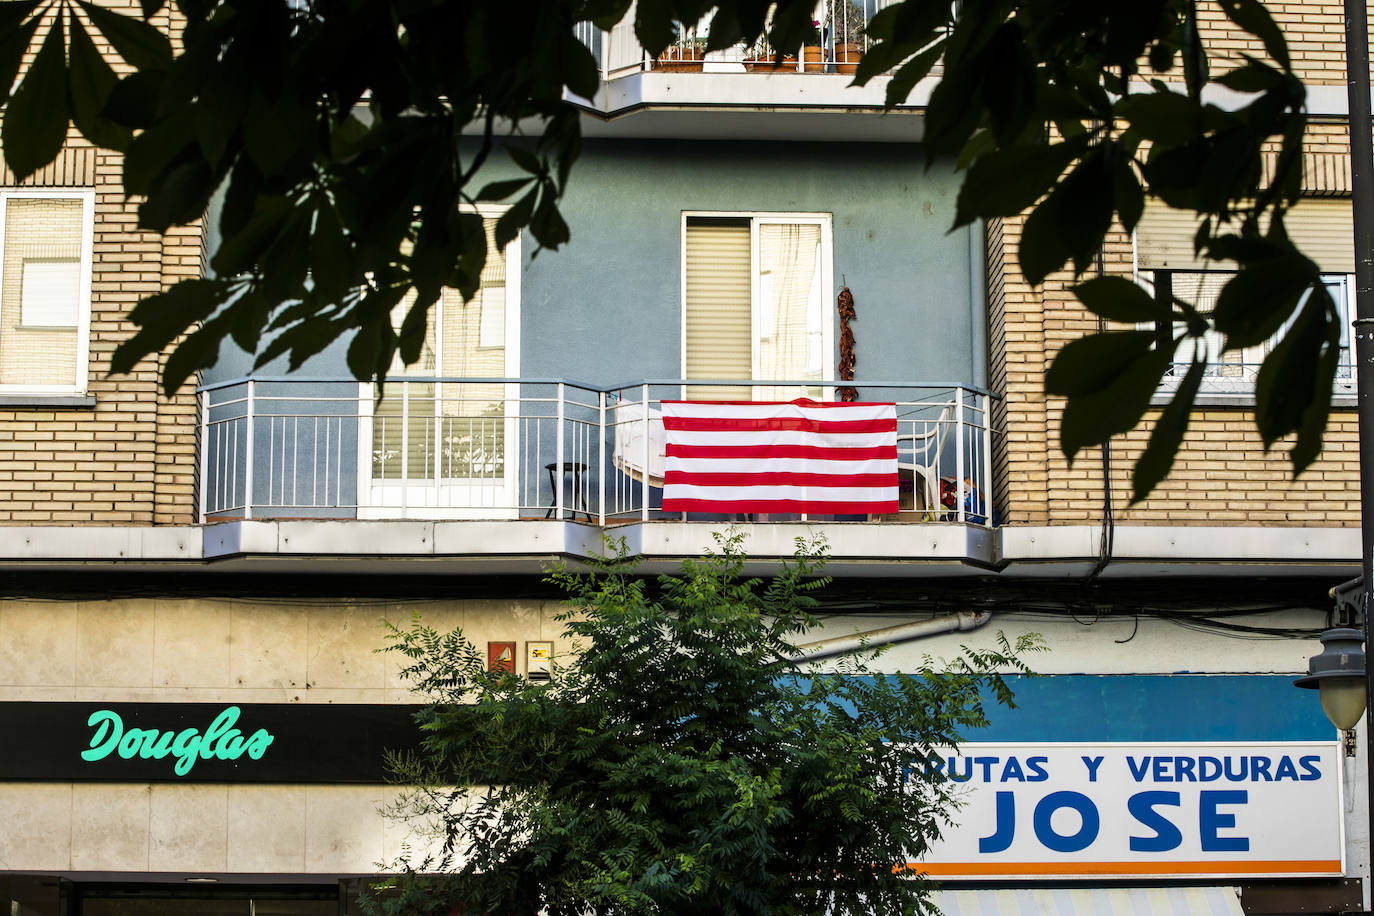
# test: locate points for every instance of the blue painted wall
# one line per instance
(1157, 707)
(606, 308)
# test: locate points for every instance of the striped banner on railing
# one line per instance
(780, 456)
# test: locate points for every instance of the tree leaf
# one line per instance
(906, 78)
(1162, 117)
(1154, 463)
(36, 117)
(514, 219)
(1009, 84)
(1093, 417)
(1251, 16)
(654, 25)
(165, 316)
(139, 43)
(1130, 197)
(274, 131)
(1290, 377)
(1042, 250)
(1085, 204)
(547, 225)
(133, 101)
(1255, 303)
(1118, 299)
(91, 81)
(1007, 181)
(250, 312)
(1092, 363)
(500, 190)
(13, 45)
(153, 152)
(527, 160)
(1254, 76)
(331, 255)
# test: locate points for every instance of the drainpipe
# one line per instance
(905, 632)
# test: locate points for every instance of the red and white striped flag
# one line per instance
(780, 456)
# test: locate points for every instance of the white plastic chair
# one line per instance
(628, 452)
(919, 453)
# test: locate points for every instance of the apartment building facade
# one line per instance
(221, 560)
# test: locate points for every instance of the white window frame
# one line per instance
(436, 497)
(81, 375)
(1241, 388)
(827, 285)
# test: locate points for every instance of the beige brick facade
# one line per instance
(130, 457)
(1222, 473)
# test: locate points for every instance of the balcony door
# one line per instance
(756, 305)
(445, 448)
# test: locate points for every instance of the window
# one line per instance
(756, 294)
(426, 432)
(1164, 255)
(45, 291)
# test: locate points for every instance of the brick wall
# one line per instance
(1222, 473)
(1315, 30)
(129, 458)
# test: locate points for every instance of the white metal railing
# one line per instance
(837, 45)
(528, 448)
(1233, 372)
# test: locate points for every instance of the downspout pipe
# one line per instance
(887, 636)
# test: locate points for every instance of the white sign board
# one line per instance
(1143, 810)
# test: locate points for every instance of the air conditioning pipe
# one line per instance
(905, 632)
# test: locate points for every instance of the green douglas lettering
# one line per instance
(220, 741)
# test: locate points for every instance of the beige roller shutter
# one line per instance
(718, 323)
(1320, 226)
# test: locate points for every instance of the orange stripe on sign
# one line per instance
(1239, 866)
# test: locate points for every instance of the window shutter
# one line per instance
(1320, 226)
(718, 325)
(40, 291)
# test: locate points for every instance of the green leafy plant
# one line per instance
(679, 761)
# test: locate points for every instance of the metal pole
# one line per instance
(1362, 193)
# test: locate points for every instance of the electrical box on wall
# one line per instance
(538, 660)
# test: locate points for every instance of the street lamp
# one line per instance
(1338, 672)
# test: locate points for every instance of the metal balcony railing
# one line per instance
(1233, 372)
(450, 448)
(838, 43)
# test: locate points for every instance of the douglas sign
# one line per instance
(1132, 810)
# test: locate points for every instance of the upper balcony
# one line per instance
(509, 449)
(688, 91)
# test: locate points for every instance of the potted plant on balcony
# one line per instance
(761, 58)
(684, 55)
(849, 41)
(813, 53)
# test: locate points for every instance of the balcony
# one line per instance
(532, 449)
(688, 92)
(839, 43)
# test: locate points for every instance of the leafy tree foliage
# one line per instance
(682, 762)
(349, 137)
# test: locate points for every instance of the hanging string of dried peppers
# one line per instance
(845, 304)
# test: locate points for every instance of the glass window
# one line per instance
(756, 298)
(45, 291)
(1234, 371)
(430, 431)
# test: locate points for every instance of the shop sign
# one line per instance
(209, 742)
(1160, 810)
